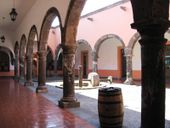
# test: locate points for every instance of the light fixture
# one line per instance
(2, 39)
(13, 14)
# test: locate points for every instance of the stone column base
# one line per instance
(28, 83)
(68, 104)
(41, 89)
(129, 81)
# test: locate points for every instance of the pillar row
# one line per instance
(68, 99)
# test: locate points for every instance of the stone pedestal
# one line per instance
(94, 79)
(41, 72)
(68, 99)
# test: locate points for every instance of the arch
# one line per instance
(133, 40)
(72, 20)
(46, 25)
(49, 61)
(58, 58)
(32, 39)
(83, 57)
(82, 41)
(22, 46)
(16, 47)
(22, 55)
(4, 61)
(105, 37)
(9, 52)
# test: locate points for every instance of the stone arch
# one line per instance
(58, 57)
(49, 61)
(116, 61)
(6, 58)
(133, 40)
(82, 41)
(45, 28)
(31, 47)
(16, 48)
(71, 23)
(83, 57)
(105, 37)
(32, 39)
(22, 46)
(22, 56)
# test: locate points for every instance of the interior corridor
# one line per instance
(22, 108)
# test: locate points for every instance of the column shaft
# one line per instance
(29, 71)
(128, 53)
(68, 99)
(41, 72)
(153, 82)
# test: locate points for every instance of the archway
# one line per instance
(22, 56)
(58, 63)
(4, 62)
(116, 61)
(51, 14)
(83, 57)
(50, 63)
(31, 51)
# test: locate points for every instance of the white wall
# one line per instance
(108, 54)
(111, 21)
(136, 57)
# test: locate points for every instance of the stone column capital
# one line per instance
(154, 28)
(69, 49)
(128, 51)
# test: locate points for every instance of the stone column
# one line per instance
(153, 74)
(151, 19)
(94, 61)
(80, 76)
(128, 54)
(29, 71)
(41, 72)
(16, 67)
(68, 99)
(22, 59)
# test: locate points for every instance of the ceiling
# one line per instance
(22, 7)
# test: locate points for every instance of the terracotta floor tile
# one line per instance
(22, 108)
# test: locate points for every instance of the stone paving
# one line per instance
(89, 98)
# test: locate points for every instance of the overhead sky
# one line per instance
(90, 6)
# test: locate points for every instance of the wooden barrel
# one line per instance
(110, 107)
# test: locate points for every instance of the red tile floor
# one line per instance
(22, 108)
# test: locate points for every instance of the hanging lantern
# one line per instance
(13, 14)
